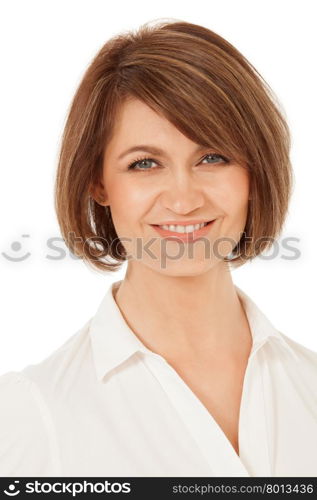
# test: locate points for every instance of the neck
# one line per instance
(185, 315)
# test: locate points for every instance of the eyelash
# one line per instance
(132, 165)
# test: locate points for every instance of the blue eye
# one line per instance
(216, 156)
(145, 161)
(132, 166)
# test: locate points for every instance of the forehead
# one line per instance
(138, 123)
(132, 106)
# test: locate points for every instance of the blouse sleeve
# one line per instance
(27, 438)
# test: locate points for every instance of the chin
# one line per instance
(186, 269)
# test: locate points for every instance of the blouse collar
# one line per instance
(113, 342)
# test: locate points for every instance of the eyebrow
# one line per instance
(153, 150)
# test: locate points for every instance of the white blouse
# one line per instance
(105, 405)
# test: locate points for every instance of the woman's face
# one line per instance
(180, 182)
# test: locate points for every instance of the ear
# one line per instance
(98, 192)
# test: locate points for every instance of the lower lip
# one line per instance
(185, 237)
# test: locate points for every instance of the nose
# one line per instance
(182, 193)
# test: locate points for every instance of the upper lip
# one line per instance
(182, 222)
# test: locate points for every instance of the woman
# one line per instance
(175, 158)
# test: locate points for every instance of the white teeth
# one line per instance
(184, 229)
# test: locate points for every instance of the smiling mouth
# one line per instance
(182, 228)
(183, 231)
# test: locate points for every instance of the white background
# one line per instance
(45, 49)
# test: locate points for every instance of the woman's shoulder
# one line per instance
(304, 352)
(26, 440)
(306, 357)
(28, 398)
(60, 367)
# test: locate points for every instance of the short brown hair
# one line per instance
(208, 90)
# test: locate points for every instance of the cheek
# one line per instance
(127, 198)
(235, 191)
